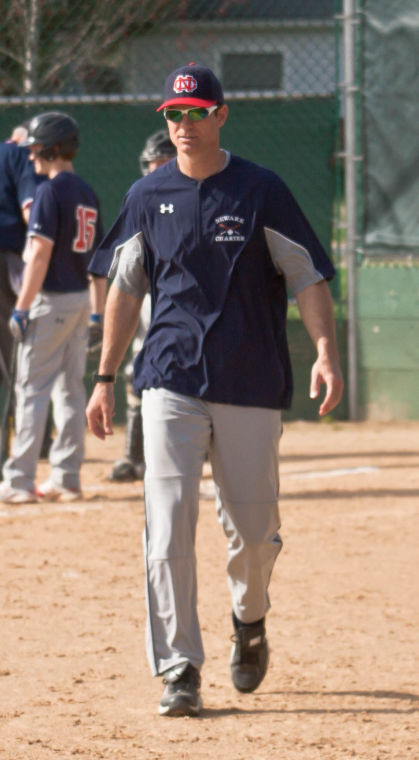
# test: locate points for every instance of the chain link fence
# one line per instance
(383, 296)
(390, 114)
(105, 64)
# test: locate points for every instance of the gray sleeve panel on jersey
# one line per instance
(291, 260)
(127, 267)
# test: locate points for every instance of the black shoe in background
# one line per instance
(126, 471)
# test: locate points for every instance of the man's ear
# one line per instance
(222, 114)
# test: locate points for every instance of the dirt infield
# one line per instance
(343, 628)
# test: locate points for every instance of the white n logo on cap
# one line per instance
(185, 83)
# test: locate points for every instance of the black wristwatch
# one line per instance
(102, 378)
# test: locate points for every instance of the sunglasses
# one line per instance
(194, 114)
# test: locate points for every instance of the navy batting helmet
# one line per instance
(56, 132)
(158, 145)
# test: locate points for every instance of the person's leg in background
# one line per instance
(10, 273)
(131, 466)
(7, 358)
(38, 364)
(7, 302)
(44, 356)
(69, 401)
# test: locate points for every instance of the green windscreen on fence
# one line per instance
(113, 135)
(391, 133)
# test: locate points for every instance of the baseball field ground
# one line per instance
(343, 628)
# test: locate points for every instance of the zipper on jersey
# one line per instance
(198, 215)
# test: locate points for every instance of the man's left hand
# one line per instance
(328, 373)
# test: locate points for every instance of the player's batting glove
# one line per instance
(95, 337)
(18, 323)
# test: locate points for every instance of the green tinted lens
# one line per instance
(196, 114)
(173, 114)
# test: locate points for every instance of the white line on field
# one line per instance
(330, 473)
(207, 491)
(35, 510)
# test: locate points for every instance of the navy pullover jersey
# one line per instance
(66, 211)
(218, 327)
(18, 183)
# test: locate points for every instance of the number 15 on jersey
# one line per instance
(86, 218)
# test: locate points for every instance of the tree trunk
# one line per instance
(30, 74)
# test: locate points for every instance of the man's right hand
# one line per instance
(100, 410)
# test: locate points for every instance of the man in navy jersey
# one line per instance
(18, 184)
(51, 316)
(216, 239)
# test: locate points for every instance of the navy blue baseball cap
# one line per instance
(192, 85)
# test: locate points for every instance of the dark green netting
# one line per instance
(391, 134)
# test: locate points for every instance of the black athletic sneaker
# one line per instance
(181, 695)
(126, 471)
(249, 657)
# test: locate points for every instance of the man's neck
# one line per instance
(201, 167)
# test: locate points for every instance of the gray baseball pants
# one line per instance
(243, 447)
(51, 364)
(7, 302)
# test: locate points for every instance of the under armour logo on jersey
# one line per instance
(167, 209)
(186, 83)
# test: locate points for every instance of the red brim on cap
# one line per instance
(187, 102)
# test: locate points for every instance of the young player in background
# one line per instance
(51, 316)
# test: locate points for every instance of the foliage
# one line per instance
(64, 46)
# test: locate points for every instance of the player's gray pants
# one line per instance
(243, 446)
(51, 364)
(7, 302)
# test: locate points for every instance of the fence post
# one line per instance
(349, 33)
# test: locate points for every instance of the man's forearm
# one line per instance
(97, 291)
(316, 308)
(34, 276)
(121, 319)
